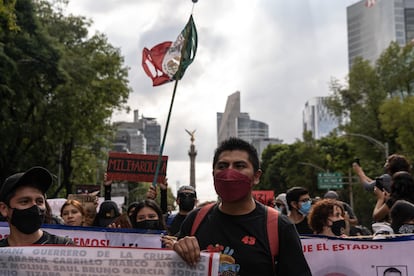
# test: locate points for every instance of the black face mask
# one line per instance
(28, 220)
(151, 224)
(338, 227)
(187, 204)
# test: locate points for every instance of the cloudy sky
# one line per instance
(278, 54)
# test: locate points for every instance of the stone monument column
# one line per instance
(192, 153)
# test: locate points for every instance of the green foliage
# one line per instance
(8, 17)
(298, 164)
(59, 88)
(395, 68)
(398, 116)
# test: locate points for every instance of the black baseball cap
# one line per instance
(37, 176)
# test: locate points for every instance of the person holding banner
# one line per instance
(237, 226)
(72, 213)
(327, 217)
(148, 215)
(23, 203)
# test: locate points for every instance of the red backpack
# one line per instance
(271, 222)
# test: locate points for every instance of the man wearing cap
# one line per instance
(23, 204)
(186, 200)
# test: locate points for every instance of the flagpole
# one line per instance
(178, 75)
(157, 170)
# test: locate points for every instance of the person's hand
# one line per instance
(164, 185)
(152, 193)
(357, 168)
(188, 249)
(114, 225)
(168, 241)
(381, 194)
(346, 216)
(107, 182)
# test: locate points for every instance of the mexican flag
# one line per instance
(168, 60)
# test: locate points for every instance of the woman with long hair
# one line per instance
(72, 213)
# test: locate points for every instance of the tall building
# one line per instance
(318, 119)
(372, 29)
(143, 135)
(234, 123)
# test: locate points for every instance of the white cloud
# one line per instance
(278, 54)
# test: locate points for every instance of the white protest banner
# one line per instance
(98, 236)
(340, 257)
(98, 261)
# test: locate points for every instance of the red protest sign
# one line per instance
(264, 196)
(135, 167)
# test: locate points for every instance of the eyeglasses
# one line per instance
(305, 200)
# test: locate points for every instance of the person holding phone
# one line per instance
(393, 164)
(402, 187)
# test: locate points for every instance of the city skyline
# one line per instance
(277, 53)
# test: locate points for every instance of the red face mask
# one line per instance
(231, 185)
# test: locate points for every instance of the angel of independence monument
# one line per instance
(192, 153)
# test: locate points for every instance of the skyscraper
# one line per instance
(372, 29)
(318, 119)
(233, 123)
(143, 135)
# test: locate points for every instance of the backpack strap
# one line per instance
(200, 216)
(272, 216)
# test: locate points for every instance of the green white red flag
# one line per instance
(168, 60)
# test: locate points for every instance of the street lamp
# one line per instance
(383, 146)
(312, 165)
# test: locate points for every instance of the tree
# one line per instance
(394, 68)
(298, 164)
(96, 83)
(7, 16)
(29, 73)
(60, 87)
(397, 116)
(360, 102)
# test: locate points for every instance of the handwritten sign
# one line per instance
(135, 167)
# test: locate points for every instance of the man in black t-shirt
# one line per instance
(23, 204)
(186, 200)
(237, 226)
(299, 202)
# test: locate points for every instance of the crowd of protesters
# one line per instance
(236, 170)
(393, 212)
